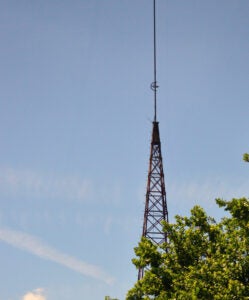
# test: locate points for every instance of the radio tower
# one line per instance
(155, 204)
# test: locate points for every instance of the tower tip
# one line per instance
(154, 85)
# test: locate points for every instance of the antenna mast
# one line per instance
(154, 85)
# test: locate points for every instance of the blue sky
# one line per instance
(75, 125)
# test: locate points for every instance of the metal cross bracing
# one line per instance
(155, 204)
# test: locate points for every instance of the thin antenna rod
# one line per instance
(154, 85)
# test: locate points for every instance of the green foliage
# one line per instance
(246, 157)
(203, 259)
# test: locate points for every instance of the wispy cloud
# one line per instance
(37, 294)
(183, 195)
(210, 188)
(37, 247)
(32, 184)
(27, 183)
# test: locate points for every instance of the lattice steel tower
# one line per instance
(155, 204)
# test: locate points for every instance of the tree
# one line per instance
(203, 259)
(246, 157)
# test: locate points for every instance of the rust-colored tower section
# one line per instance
(155, 204)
